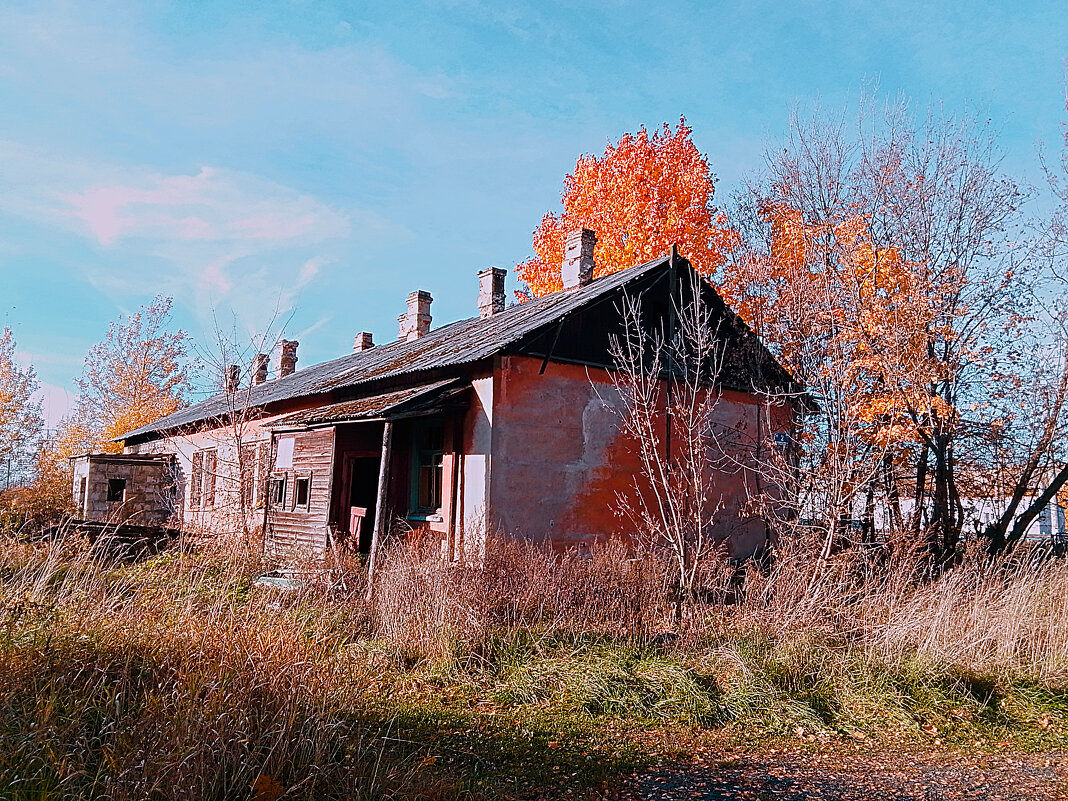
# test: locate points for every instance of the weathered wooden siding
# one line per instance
(291, 527)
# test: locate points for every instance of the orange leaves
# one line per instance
(845, 313)
(136, 375)
(643, 195)
(265, 788)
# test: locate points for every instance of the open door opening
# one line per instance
(362, 495)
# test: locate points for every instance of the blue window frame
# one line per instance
(428, 458)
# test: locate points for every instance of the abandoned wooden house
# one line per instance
(504, 421)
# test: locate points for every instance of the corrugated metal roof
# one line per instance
(385, 404)
(458, 343)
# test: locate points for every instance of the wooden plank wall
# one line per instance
(294, 529)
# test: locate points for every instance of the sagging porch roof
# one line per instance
(409, 401)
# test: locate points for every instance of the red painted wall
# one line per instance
(560, 463)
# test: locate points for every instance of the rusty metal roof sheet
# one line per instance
(458, 343)
(386, 404)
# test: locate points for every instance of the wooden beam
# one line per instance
(380, 506)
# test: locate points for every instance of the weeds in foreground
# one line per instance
(179, 677)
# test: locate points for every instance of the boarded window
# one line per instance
(262, 474)
(196, 479)
(202, 480)
(246, 469)
(116, 490)
(428, 455)
(284, 459)
(208, 493)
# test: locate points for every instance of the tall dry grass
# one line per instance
(1009, 620)
(179, 678)
(425, 607)
(172, 679)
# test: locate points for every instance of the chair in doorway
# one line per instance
(356, 516)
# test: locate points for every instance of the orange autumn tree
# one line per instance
(646, 193)
(135, 375)
(851, 319)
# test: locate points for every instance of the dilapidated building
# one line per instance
(116, 488)
(507, 420)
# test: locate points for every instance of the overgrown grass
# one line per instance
(179, 677)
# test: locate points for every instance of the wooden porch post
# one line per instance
(380, 506)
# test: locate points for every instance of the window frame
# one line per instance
(422, 457)
(112, 484)
(277, 480)
(298, 479)
(196, 479)
(202, 478)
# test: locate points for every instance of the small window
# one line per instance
(278, 491)
(196, 479)
(428, 454)
(202, 479)
(116, 490)
(301, 491)
(82, 486)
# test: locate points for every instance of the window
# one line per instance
(283, 459)
(302, 491)
(278, 491)
(262, 453)
(428, 453)
(116, 490)
(82, 486)
(208, 493)
(246, 471)
(202, 480)
(196, 479)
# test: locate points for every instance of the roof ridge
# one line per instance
(402, 356)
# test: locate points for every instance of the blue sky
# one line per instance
(326, 158)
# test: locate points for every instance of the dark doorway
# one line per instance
(363, 492)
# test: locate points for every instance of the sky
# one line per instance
(309, 164)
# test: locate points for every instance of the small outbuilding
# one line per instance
(125, 488)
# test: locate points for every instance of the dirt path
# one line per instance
(859, 777)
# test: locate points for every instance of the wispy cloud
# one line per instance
(214, 238)
(210, 205)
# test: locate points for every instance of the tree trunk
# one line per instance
(890, 481)
(1022, 523)
(921, 488)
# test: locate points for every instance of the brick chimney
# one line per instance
(364, 341)
(416, 321)
(232, 379)
(259, 368)
(287, 357)
(490, 291)
(577, 267)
